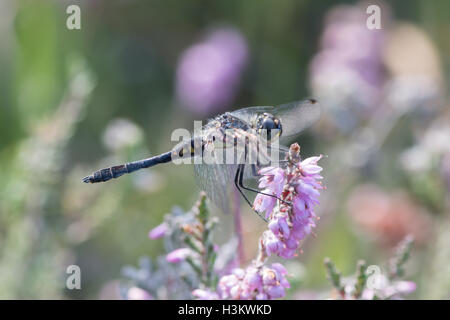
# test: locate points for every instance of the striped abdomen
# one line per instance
(106, 174)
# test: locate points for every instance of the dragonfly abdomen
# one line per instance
(106, 174)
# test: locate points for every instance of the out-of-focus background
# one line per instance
(73, 101)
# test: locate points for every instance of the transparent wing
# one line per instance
(216, 174)
(295, 116)
(213, 175)
(217, 180)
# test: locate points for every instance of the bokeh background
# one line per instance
(73, 101)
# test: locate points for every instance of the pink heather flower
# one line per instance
(264, 203)
(178, 255)
(201, 294)
(341, 72)
(158, 231)
(390, 290)
(208, 72)
(136, 293)
(272, 182)
(405, 287)
(291, 220)
(252, 283)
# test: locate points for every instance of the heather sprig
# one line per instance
(198, 237)
(361, 279)
(369, 283)
(256, 282)
(334, 276)
(194, 234)
(401, 256)
(190, 259)
(291, 213)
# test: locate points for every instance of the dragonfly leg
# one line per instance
(236, 182)
(241, 184)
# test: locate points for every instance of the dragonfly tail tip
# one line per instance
(87, 179)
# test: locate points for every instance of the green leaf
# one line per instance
(334, 275)
(203, 212)
(397, 263)
(361, 279)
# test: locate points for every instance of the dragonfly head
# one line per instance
(269, 126)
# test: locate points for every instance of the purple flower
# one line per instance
(272, 179)
(292, 219)
(405, 287)
(158, 231)
(178, 255)
(208, 72)
(273, 182)
(201, 294)
(388, 290)
(347, 74)
(264, 203)
(252, 283)
(136, 293)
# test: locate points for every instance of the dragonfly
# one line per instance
(251, 133)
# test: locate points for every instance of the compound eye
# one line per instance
(268, 124)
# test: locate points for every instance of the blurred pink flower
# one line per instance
(252, 283)
(390, 290)
(202, 294)
(389, 217)
(347, 73)
(136, 293)
(158, 232)
(178, 255)
(209, 72)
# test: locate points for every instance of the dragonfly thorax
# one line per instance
(227, 121)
